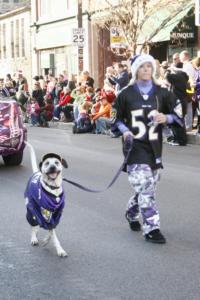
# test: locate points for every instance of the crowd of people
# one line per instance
(63, 98)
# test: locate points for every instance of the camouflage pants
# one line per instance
(143, 179)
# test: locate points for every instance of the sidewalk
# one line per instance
(192, 137)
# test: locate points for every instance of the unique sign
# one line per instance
(182, 35)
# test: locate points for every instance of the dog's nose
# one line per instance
(52, 169)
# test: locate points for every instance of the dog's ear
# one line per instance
(64, 163)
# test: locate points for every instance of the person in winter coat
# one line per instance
(102, 117)
(178, 81)
(121, 80)
(46, 114)
(65, 98)
(37, 93)
(139, 112)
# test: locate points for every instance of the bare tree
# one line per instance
(139, 20)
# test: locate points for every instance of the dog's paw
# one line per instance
(62, 253)
(34, 242)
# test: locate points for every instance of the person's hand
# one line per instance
(126, 134)
(160, 118)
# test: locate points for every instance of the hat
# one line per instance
(138, 60)
(48, 155)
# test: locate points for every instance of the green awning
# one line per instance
(155, 22)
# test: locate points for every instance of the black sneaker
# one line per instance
(134, 225)
(155, 236)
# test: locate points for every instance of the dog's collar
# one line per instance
(51, 187)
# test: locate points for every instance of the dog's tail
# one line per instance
(33, 157)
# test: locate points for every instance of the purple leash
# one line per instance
(128, 147)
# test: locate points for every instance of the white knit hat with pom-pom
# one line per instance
(138, 60)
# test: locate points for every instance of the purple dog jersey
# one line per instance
(43, 208)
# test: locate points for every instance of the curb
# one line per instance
(61, 125)
(192, 138)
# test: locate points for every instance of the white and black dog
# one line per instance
(45, 198)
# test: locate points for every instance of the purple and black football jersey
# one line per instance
(43, 208)
(135, 112)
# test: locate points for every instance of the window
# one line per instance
(16, 1)
(5, 1)
(12, 40)
(22, 37)
(17, 39)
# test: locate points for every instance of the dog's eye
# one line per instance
(46, 163)
(56, 163)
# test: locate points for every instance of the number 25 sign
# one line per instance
(78, 37)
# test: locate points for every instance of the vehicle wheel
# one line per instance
(14, 159)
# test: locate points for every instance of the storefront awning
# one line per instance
(156, 21)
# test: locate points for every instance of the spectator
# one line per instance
(43, 84)
(51, 88)
(176, 62)
(34, 112)
(59, 87)
(22, 83)
(121, 80)
(46, 114)
(9, 78)
(79, 98)
(190, 71)
(102, 117)
(9, 85)
(178, 81)
(37, 93)
(110, 72)
(89, 93)
(86, 80)
(83, 122)
(3, 90)
(71, 82)
(65, 98)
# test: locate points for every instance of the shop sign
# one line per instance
(182, 35)
(117, 39)
(185, 29)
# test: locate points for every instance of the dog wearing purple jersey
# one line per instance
(45, 198)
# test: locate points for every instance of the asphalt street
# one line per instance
(106, 260)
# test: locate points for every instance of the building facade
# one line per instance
(52, 37)
(15, 42)
(8, 5)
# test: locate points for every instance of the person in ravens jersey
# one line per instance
(139, 113)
